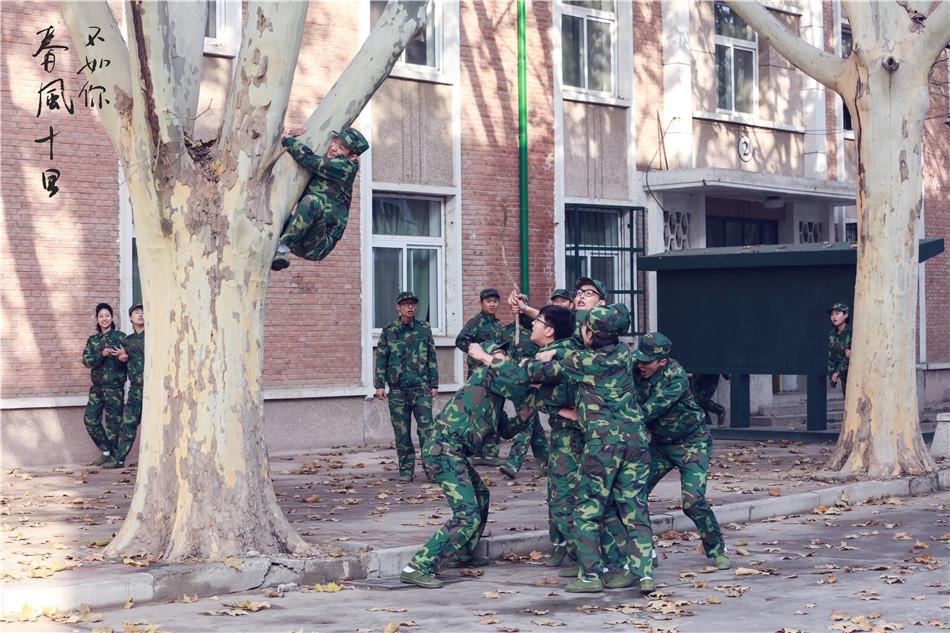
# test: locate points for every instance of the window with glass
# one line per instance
(408, 248)
(423, 48)
(588, 34)
(846, 44)
(600, 243)
(736, 61)
(725, 231)
(223, 28)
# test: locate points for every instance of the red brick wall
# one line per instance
(488, 46)
(937, 214)
(830, 31)
(647, 81)
(59, 254)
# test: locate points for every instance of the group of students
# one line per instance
(620, 420)
(112, 421)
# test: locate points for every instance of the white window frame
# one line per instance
(443, 20)
(752, 46)
(227, 18)
(583, 93)
(406, 242)
(844, 25)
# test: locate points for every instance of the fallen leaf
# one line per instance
(330, 587)
(135, 562)
(389, 609)
(471, 573)
(488, 621)
(535, 555)
(547, 622)
(231, 612)
(129, 604)
(312, 499)
(775, 492)
(248, 605)
(186, 598)
(391, 627)
(234, 563)
(484, 613)
(536, 611)
(920, 545)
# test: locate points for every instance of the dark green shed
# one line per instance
(757, 310)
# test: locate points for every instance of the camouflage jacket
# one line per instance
(480, 328)
(553, 391)
(837, 343)
(606, 406)
(135, 346)
(106, 370)
(476, 411)
(525, 347)
(405, 356)
(668, 406)
(331, 177)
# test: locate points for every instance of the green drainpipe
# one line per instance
(523, 145)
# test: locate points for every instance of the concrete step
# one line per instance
(790, 419)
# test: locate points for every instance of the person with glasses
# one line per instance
(481, 328)
(680, 438)
(534, 436)
(406, 361)
(460, 429)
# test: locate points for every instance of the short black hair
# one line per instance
(560, 319)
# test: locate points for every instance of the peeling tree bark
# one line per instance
(207, 222)
(885, 84)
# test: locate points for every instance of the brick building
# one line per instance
(652, 126)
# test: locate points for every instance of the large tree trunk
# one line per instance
(207, 221)
(885, 83)
(881, 431)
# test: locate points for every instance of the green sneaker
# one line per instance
(556, 557)
(722, 562)
(619, 579)
(647, 585)
(467, 561)
(413, 576)
(585, 584)
(508, 471)
(569, 572)
(102, 460)
(111, 463)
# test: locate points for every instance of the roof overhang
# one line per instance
(747, 185)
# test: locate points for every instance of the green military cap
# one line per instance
(489, 347)
(406, 295)
(135, 307)
(596, 283)
(563, 293)
(353, 140)
(488, 292)
(612, 320)
(652, 346)
(840, 307)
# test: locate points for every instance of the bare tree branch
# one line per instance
(352, 91)
(83, 19)
(936, 31)
(153, 45)
(816, 63)
(187, 21)
(260, 90)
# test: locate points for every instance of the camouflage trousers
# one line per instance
(131, 417)
(105, 432)
(404, 404)
(535, 437)
(614, 470)
(315, 227)
(704, 387)
(567, 443)
(468, 498)
(691, 458)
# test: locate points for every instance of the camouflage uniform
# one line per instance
(615, 462)
(680, 437)
(838, 342)
(320, 218)
(480, 329)
(703, 388)
(460, 430)
(406, 360)
(567, 442)
(132, 416)
(107, 391)
(534, 435)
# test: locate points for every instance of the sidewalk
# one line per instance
(363, 522)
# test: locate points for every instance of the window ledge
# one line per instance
(744, 119)
(441, 340)
(781, 7)
(421, 73)
(848, 135)
(589, 97)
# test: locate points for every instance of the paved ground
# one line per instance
(874, 567)
(54, 519)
